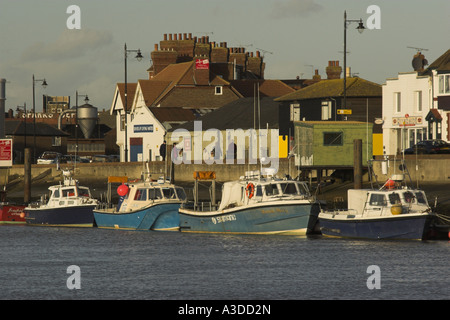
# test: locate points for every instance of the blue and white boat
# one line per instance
(391, 212)
(147, 205)
(68, 205)
(256, 205)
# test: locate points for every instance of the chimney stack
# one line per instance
(333, 70)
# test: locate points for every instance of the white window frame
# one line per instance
(418, 101)
(218, 90)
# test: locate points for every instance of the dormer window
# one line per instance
(218, 90)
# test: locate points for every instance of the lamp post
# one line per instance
(360, 29)
(86, 100)
(44, 85)
(138, 58)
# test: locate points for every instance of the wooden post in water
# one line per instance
(27, 176)
(357, 166)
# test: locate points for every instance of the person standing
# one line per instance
(162, 150)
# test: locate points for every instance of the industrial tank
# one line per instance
(87, 118)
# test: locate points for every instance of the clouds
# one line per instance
(70, 44)
(294, 8)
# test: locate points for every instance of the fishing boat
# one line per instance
(68, 205)
(144, 205)
(255, 204)
(10, 213)
(393, 211)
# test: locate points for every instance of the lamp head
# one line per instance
(360, 27)
(139, 55)
(44, 84)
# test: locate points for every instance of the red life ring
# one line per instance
(250, 190)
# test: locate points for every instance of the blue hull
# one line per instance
(401, 227)
(297, 219)
(63, 217)
(157, 217)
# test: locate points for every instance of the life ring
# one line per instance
(250, 190)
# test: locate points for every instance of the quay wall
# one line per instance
(425, 169)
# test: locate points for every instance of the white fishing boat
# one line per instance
(393, 211)
(68, 204)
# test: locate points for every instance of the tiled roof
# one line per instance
(17, 128)
(356, 87)
(267, 88)
(239, 114)
(442, 63)
(131, 89)
(172, 114)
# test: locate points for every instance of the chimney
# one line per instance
(333, 70)
(317, 75)
(419, 62)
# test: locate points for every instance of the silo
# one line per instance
(87, 118)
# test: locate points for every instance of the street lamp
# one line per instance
(44, 85)
(138, 58)
(360, 29)
(86, 100)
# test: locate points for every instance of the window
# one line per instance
(56, 141)
(218, 91)
(418, 100)
(444, 83)
(326, 110)
(141, 195)
(377, 200)
(122, 122)
(180, 193)
(271, 189)
(295, 112)
(397, 102)
(169, 193)
(288, 188)
(333, 139)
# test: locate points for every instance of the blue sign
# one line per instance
(143, 128)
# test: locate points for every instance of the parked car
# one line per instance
(429, 147)
(48, 157)
(71, 158)
(101, 158)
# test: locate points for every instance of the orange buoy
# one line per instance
(22, 215)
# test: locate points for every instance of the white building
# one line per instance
(416, 105)
(407, 100)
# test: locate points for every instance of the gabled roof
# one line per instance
(173, 114)
(441, 64)
(131, 89)
(356, 87)
(267, 88)
(239, 114)
(178, 74)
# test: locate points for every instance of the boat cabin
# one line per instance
(67, 195)
(381, 202)
(142, 195)
(238, 193)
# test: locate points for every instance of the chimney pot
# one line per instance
(170, 36)
(156, 47)
(165, 36)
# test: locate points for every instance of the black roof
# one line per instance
(17, 128)
(239, 114)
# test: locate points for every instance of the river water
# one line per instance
(115, 264)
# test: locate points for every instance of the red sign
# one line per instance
(202, 64)
(6, 152)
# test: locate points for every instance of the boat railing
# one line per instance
(199, 206)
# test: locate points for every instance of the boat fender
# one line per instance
(396, 209)
(250, 190)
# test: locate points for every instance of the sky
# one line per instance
(295, 36)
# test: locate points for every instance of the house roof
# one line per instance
(131, 89)
(172, 114)
(177, 74)
(441, 64)
(267, 88)
(238, 114)
(356, 87)
(17, 128)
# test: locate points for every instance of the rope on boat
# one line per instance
(443, 217)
